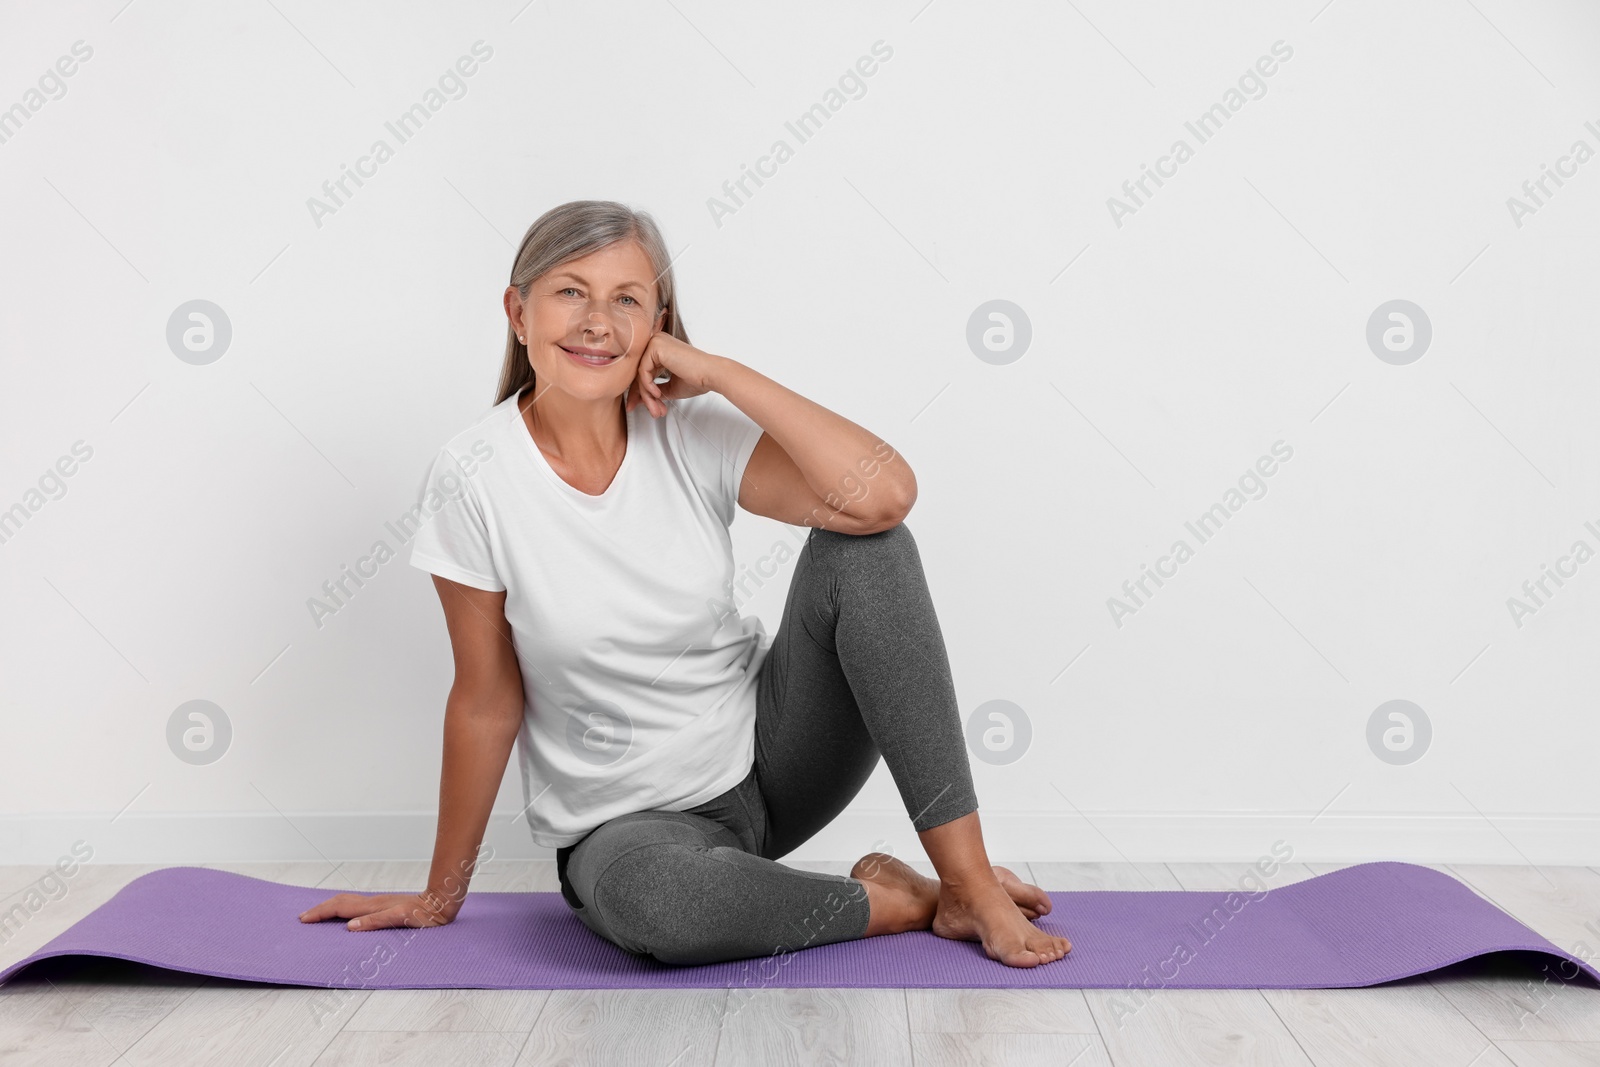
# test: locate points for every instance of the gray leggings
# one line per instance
(857, 669)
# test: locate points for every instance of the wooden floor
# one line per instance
(79, 1014)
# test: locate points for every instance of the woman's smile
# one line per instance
(590, 357)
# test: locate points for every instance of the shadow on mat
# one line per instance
(93, 972)
(1511, 967)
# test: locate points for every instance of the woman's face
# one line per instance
(587, 322)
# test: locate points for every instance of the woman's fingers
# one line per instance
(637, 395)
(378, 920)
(376, 912)
(340, 906)
(346, 906)
(408, 912)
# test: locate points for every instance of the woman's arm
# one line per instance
(812, 466)
(809, 467)
(481, 719)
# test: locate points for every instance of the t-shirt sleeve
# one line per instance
(718, 439)
(452, 538)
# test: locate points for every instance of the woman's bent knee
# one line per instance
(898, 534)
(663, 901)
(865, 550)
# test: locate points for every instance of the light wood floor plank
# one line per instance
(1562, 903)
(1512, 998)
(249, 1024)
(516, 876)
(289, 872)
(493, 1010)
(815, 1026)
(1551, 1053)
(377, 876)
(123, 1001)
(581, 1027)
(1402, 1024)
(998, 1011)
(420, 1049)
(16, 879)
(1243, 877)
(1517, 999)
(1008, 1050)
(1079, 877)
(495, 876)
(1193, 1028)
(40, 1024)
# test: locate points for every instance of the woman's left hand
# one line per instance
(690, 371)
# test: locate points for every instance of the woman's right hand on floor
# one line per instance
(377, 911)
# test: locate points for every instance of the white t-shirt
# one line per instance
(638, 671)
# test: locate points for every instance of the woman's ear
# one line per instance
(514, 310)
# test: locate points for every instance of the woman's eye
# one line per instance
(568, 289)
(626, 297)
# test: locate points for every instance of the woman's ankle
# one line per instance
(967, 882)
(957, 852)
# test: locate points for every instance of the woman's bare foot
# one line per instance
(900, 899)
(991, 912)
(1033, 901)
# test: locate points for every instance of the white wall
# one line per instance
(1169, 350)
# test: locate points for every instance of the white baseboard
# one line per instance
(1097, 836)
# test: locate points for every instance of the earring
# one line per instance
(520, 339)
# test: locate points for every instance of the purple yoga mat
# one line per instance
(1370, 923)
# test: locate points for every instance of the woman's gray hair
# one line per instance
(571, 231)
